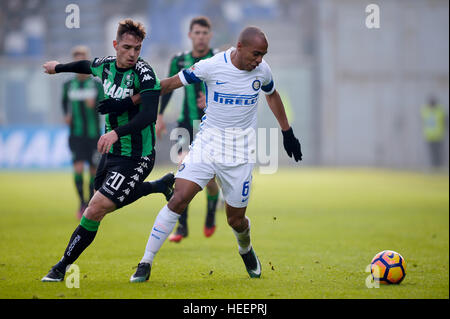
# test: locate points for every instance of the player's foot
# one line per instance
(142, 273)
(53, 275)
(210, 225)
(179, 234)
(209, 231)
(252, 264)
(169, 180)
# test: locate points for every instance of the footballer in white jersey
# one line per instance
(227, 140)
(229, 124)
(233, 80)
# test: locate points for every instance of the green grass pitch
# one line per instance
(314, 230)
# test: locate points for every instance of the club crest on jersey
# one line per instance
(129, 80)
(256, 85)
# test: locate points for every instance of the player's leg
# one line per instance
(135, 187)
(116, 180)
(79, 149)
(164, 185)
(236, 184)
(83, 235)
(165, 222)
(92, 172)
(181, 230)
(94, 159)
(124, 183)
(78, 167)
(241, 228)
(192, 177)
(212, 197)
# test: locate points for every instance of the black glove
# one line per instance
(292, 145)
(115, 105)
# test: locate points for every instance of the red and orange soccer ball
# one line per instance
(388, 267)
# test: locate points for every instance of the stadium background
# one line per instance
(353, 94)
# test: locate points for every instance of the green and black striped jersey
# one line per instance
(189, 111)
(120, 83)
(85, 119)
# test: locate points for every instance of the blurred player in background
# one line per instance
(434, 124)
(128, 147)
(233, 80)
(80, 96)
(192, 111)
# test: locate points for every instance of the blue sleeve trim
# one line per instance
(206, 93)
(190, 76)
(225, 57)
(268, 87)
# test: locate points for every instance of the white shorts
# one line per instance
(234, 178)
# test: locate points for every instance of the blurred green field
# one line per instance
(314, 230)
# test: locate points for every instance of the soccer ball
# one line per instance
(388, 267)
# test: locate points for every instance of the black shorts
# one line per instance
(84, 149)
(119, 176)
(183, 142)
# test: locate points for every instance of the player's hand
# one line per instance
(201, 101)
(68, 119)
(106, 141)
(160, 126)
(90, 103)
(292, 145)
(115, 105)
(49, 67)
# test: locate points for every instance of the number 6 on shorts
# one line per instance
(246, 189)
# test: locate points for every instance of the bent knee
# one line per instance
(93, 212)
(178, 202)
(236, 222)
(98, 207)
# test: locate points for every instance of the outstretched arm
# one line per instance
(290, 142)
(170, 84)
(167, 86)
(53, 67)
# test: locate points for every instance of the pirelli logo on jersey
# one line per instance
(236, 99)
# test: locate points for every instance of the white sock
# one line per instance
(243, 239)
(163, 226)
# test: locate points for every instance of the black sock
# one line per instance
(91, 187)
(212, 204)
(81, 238)
(183, 217)
(79, 186)
(157, 186)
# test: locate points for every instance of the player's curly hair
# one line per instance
(132, 27)
(201, 20)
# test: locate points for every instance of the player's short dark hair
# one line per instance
(131, 27)
(202, 20)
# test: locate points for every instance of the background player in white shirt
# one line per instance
(233, 80)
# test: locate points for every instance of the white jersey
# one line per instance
(229, 124)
